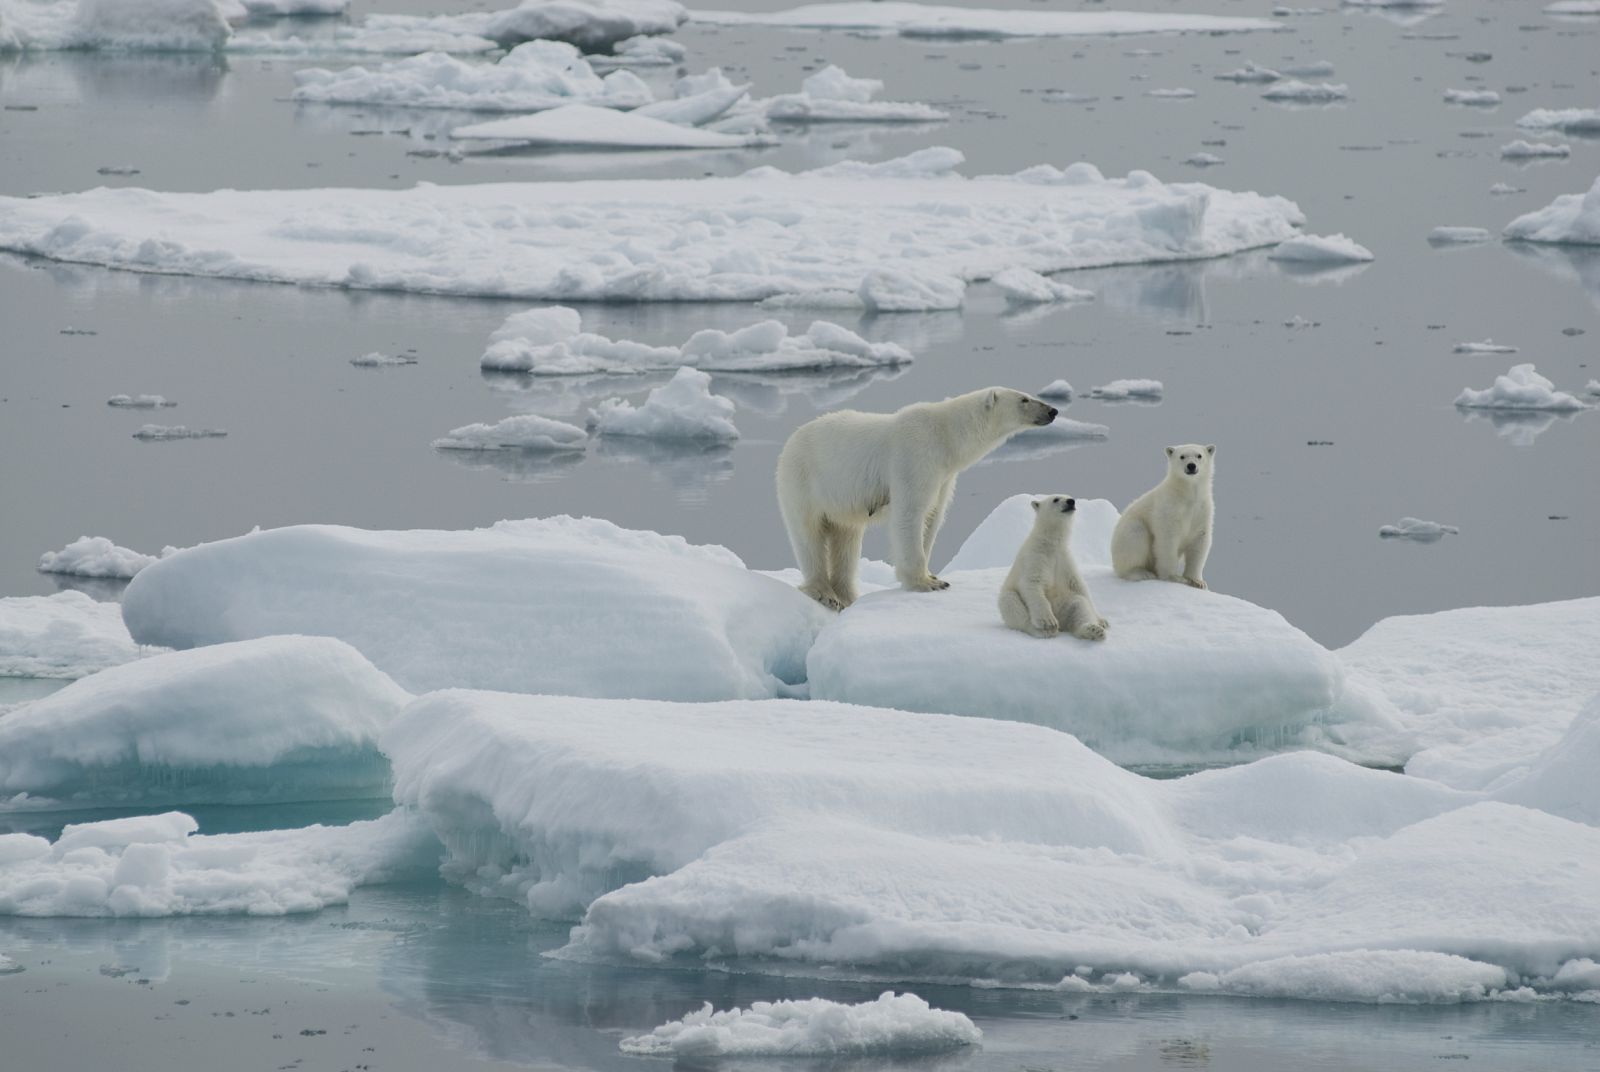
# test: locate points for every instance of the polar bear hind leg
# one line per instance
(1078, 617)
(809, 537)
(1131, 553)
(844, 553)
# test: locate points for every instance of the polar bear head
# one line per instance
(1055, 512)
(1190, 461)
(1014, 410)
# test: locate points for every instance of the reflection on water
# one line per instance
(1571, 264)
(518, 466)
(688, 467)
(1518, 427)
(1313, 273)
(183, 81)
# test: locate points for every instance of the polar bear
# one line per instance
(845, 470)
(1043, 593)
(1166, 532)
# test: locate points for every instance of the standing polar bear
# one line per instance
(845, 470)
(1166, 532)
(1043, 594)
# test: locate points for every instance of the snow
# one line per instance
(900, 233)
(1487, 346)
(1388, 976)
(1571, 219)
(1560, 780)
(113, 25)
(1567, 120)
(932, 20)
(176, 431)
(531, 77)
(682, 408)
(1532, 150)
(585, 126)
(1417, 530)
(139, 401)
(1453, 235)
(527, 431)
(894, 1024)
(1476, 97)
(696, 109)
(1320, 249)
(281, 718)
(1297, 92)
(551, 342)
(1519, 389)
(66, 635)
(156, 865)
(1250, 72)
(1028, 287)
(1127, 390)
(560, 605)
(1057, 390)
(94, 556)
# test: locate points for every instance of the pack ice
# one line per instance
(67, 635)
(559, 605)
(903, 234)
(934, 20)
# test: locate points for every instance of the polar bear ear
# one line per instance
(993, 399)
(1211, 448)
(1170, 450)
(1037, 503)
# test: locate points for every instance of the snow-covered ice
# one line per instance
(551, 342)
(1320, 249)
(66, 635)
(832, 95)
(377, 359)
(1056, 389)
(1179, 93)
(816, 1027)
(682, 408)
(282, 718)
(1569, 219)
(1417, 530)
(1127, 390)
(560, 605)
(1476, 97)
(1203, 160)
(1486, 346)
(139, 402)
(94, 556)
(863, 229)
(112, 25)
(1250, 72)
(1448, 235)
(1573, 7)
(525, 431)
(1522, 149)
(586, 126)
(177, 431)
(1520, 389)
(1567, 120)
(933, 20)
(156, 865)
(1027, 287)
(1297, 92)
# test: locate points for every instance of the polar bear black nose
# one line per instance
(1052, 411)
(1192, 469)
(1072, 504)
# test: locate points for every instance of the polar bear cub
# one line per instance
(1166, 532)
(845, 470)
(1043, 593)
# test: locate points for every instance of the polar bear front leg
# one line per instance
(1194, 558)
(935, 521)
(910, 512)
(1169, 558)
(1078, 617)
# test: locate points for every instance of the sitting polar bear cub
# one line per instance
(1043, 594)
(1166, 532)
(844, 470)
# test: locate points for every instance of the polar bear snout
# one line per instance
(1069, 506)
(1191, 468)
(1047, 416)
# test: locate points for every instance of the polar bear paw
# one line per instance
(1044, 627)
(823, 596)
(1092, 631)
(930, 583)
(1194, 582)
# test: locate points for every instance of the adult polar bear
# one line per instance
(1166, 532)
(840, 472)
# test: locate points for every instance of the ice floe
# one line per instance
(1519, 389)
(1417, 530)
(282, 718)
(1250, 72)
(900, 234)
(1297, 92)
(1447, 236)
(682, 408)
(1320, 249)
(376, 359)
(1027, 287)
(1569, 219)
(832, 95)
(1179, 93)
(1203, 160)
(177, 431)
(560, 605)
(894, 1024)
(1567, 120)
(66, 635)
(1533, 150)
(1487, 346)
(933, 20)
(1128, 390)
(1056, 389)
(694, 105)
(94, 556)
(586, 126)
(139, 402)
(525, 432)
(1475, 97)
(113, 25)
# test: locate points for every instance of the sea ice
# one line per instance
(1171, 94)
(932, 20)
(1203, 160)
(1417, 530)
(282, 718)
(66, 635)
(112, 25)
(865, 229)
(1445, 236)
(1250, 72)
(1477, 97)
(1128, 390)
(832, 95)
(585, 126)
(376, 359)
(290, 8)
(682, 408)
(561, 605)
(894, 1024)
(1027, 287)
(1566, 120)
(1057, 389)
(1297, 92)
(1487, 346)
(139, 402)
(1533, 150)
(94, 556)
(1573, 7)
(696, 108)
(1569, 219)
(1520, 389)
(1320, 249)
(176, 431)
(526, 432)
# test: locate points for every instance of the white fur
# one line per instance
(1166, 532)
(846, 470)
(1043, 594)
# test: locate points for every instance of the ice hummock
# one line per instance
(1569, 219)
(683, 408)
(870, 230)
(832, 95)
(66, 635)
(282, 718)
(1520, 389)
(587, 126)
(558, 605)
(1026, 287)
(94, 556)
(933, 20)
(525, 431)
(1321, 249)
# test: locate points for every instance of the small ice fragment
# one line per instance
(139, 401)
(1417, 531)
(1487, 346)
(177, 431)
(1125, 390)
(1320, 249)
(1532, 150)
(1297, 92)
(1057, 390)
(382, 360)
(1520, 389)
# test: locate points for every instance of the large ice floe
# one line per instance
(934, 20)
(851, 229)
(283, 718)
(1520, 389)
(1569, 219)
(122, 25)
(551, 342)
(586, 126)
(560, 605)
(67, 635)
(683, 408)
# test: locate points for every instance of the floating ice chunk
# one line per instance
(1314, 69)
(94, 556)
(1476, 97)
(1500, 189)
(1445, 236)
(646, 51)
(1567, 120)
(531, 77)
(296, 7)
(1297, 92)
(1573, 7)
(1417, 530)
(1283, 11)
(932, 20)
(894, 1024)
(747, 238)
(1057, 390)
(1203, 160)
(1250, 72)
(259, 721)
(994, 543)
(1128, 390)
(382, 360)
(1171, 94)
(526, 431)
(591, 25)
(1027, 287)
(682, 408)
(1593, 387)
(1320, 249)
(157, 866)
(562, 605)
(177, 431)
(66, 635)
(696, 109)
(832, 83)
(889, 290)
(1373, 976)
(1487, 346)
(144, 25)
(1569, 219)
(1521, 388)
(9, 966)
(583, 125)
(375, 35)
(802, 108)
(139, 402)
(1533, 150)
